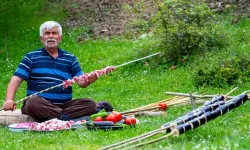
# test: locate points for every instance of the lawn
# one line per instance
(127, 87)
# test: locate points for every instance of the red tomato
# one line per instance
(162, 106)
(111, 117)
(117, 115)
(130, 121)
(98, 119)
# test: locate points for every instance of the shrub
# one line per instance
(217, 77)
(187, 28)
(220, 71)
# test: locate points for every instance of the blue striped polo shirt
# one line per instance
(42, 71)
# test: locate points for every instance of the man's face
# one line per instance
(51, 38)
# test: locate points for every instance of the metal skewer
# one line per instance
(124, 64)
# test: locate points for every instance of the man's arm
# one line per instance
(9, 103)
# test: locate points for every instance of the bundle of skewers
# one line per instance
(208, 111)
(157, 108)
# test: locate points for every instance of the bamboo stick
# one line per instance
(155, 107)
(134, 138)
(152, 141)
(196, 96)
(150, 113)
(124, 64)
(145, 109)
(161, 101)
(167, 101)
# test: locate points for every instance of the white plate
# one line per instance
(19, 127)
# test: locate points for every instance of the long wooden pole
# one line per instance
(196, 96)
(124, 64)
(62, 83)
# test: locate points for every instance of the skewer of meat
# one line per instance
(69, 82)
(85, 77)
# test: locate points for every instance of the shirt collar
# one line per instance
(45, 53)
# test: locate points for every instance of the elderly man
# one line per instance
(45, 68)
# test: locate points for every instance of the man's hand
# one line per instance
(87, 79)
(9, 105)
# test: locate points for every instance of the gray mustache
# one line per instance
(50, 40)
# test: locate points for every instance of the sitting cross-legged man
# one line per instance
(47, 67)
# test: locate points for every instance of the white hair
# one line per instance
(48, 25)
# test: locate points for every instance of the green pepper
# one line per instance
(99, 114)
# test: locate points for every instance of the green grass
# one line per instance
(128, 87)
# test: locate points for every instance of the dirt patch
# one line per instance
(115, 17)
(106, 17)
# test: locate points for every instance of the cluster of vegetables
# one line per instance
(114, 119)
(110, 118)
